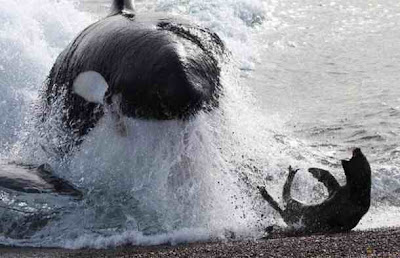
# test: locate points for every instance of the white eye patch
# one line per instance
(91, 86)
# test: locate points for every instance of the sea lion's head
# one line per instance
(357, 169)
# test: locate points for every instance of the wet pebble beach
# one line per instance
(374, 243)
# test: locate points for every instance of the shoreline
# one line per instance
(384, 242)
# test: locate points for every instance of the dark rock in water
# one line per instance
(343, 209)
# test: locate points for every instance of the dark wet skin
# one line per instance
(35, 179)
(156, 67)
(344, 207)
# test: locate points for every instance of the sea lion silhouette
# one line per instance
(344, 207)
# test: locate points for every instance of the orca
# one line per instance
(145, 66)
(341, 211)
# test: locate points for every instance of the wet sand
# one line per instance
(373, 243)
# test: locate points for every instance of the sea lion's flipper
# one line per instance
(326, 178)
(270, 200)
(288, 184)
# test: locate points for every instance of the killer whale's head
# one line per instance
(145, 66)
(163, 68)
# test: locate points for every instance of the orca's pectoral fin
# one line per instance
(35, 179)
(326, 178)
(60, 186)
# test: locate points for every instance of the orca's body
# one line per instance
(148, 67)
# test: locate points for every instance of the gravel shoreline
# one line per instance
(372, 243)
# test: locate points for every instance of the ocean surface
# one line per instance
(307, 82)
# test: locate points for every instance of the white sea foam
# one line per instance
(137, 238)
(32, 33)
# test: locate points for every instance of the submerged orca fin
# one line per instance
(60, 186)
(122, 7)
(35, 179)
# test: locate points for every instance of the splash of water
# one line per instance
(164, 182)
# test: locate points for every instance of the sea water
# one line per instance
(306, 82)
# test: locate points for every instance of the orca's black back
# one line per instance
(162, 69)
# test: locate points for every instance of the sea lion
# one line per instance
(344, 207)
